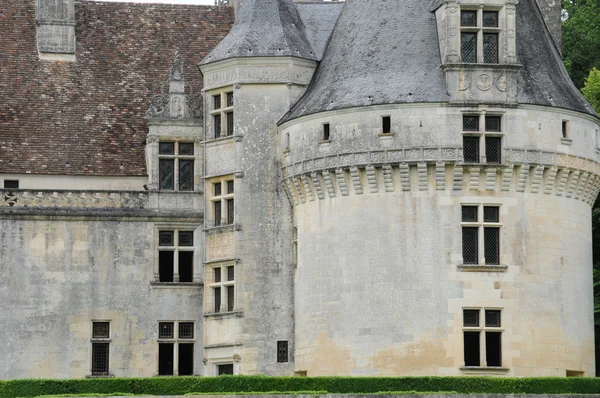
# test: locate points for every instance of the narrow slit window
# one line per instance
(565, 129)
(282, 351)
(230, 211)
(217, 125)
(386, 122)
(218, 213)
(229, 124)
(217, 292)
(326, 132)
(11, 184)
(230, 298)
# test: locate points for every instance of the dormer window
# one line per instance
(479, 38)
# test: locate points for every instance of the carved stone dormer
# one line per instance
(175, 133)
(477, 41)
(56, 29)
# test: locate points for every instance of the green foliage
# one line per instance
(297, 385)
(591, 90)
(581, 38)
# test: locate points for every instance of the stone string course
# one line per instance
(524, 171)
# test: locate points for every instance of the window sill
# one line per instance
(485, 369)
(108, 376)
(466, 164)
(175, 285)
(210, 230)
(220, 315)
(237, 137)
(384, 135)
(324, 143)
(566, 141)
(482, 268)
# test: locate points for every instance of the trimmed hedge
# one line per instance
(340, 385)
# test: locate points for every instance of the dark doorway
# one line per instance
(165, 359)
(186, 359)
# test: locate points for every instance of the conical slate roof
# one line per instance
(381, 52)
(264, 28)
(387, 52)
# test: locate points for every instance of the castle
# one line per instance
(369, 187)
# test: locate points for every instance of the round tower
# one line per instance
(443, 214)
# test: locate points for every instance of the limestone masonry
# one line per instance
(381, 187)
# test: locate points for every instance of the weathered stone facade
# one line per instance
(297, 208)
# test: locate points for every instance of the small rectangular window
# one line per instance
(468, 18)
(186, 238)
(166, 168)
(165, 238)
(471, 149)
(230, 298)
(471, 123)
(101, 330)
(225, 369)
(469, 47)
(166, 148)
(469, 214)
(217, 101)
(490, 48)
(11, 184)
(229, 99)
(386, 123)
(217, 125)
(166, 330)
(326, 135)
(230, 211)
(470, 244)
(565, 129)
(493, 124)
(230, 273)
(286, 144)
(493, 150)
(282, 351)
(217, 275)
(471, 318)
(229, 124)
(186, 330)
(490, 19)
(230, 187)
(165, 266)
(100, 353)
(186, 266)
(217, 293)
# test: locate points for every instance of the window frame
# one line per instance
(224, 284)
(95, 340)
(481, 226)
(482, 329)
(176, 157)
(480, 31)
(176, 248)
(482, 133)
(224, 112)
(224, 198)
(176, 340)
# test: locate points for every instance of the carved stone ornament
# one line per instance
(237, 358)
(177, 100)
(501, 83)
(484, 82)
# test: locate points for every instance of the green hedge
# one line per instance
(344, 385)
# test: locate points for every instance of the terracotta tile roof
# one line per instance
(91, 113)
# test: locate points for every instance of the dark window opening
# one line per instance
(217, 125)
(218, 213)
(469, 213)
(490, 48)
(165, 266)
(493, 348)
(166, 330)
(230, 187)
(469, 47)
(565, 129)
(471, 318)
(491, 214)
(100, 330)
(186, 148)
(166, 168)
(11, 184)
(225, 369)
(492, 318)
(186, 330)
(186, 359)
(472, 353)
(490, 19)
(100, 359)
(165, 359)
(492, 245)
(471, 149)
(282, 351)
(230, 211)
(386, 122)
(217, 101)
(493, 150)
(186, 266)
(229, 99)
(166, 148)
(575, 373)
(217, 275)
(493, 124)
(326, 132)
(230, 124)
(217, 189)
(230, 273)
(230, 298)
(165, 238)
(186, 175)
(470, 245)
(217, 291)
(186, 238)
(470, 123)
(468, 18)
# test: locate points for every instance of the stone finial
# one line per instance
(174, 102)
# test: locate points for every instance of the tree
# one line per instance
(591, 90)
(581, 37)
